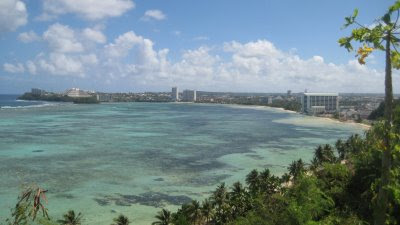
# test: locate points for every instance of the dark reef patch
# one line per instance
(102, 201)
(207, 180)
(38, 151)
(155, 199)
(255, 156)
(67, 196)
(159, 179)
(273, 165)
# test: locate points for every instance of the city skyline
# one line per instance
(139, 46)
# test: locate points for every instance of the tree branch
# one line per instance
(394, 46)
(361, 25)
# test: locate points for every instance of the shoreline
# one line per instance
(366, 126)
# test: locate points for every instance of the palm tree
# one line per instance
(32, 200)
(323, 154)
(341, 149)
(285, 178)
(194, 211)
(252, 180)
(238, 200)
(296, 168)
(207, 210)
(164, 218)
(121, 220)
(329, 156)
(265, 175)
(237, 190)
(268, 183)
(220, 195)
(220, 199)
(71, 219)
(314, 163)
(319, 154)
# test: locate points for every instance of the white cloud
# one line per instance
(142, 56)
(154, 14)
(123, 44)
(318, 59)
(31, 67)
(90, 59)
(14, 68)
(27, 37)
(61, 38)
(256, 66)
(66, 55)
(13, 14)
(62, 64)
(94, 35)
(88, 9)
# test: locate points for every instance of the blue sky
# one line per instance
(214, 45)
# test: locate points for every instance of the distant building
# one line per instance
(315, 103)
(37, 91)
(289, 93)
(103, 97)
(175, 94)
(269, 101)
(189, 96)
(76, 93)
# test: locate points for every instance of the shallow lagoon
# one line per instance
(134, 158)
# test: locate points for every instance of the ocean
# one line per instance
(11, 102)
(135, 158)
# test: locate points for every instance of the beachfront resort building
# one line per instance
(317, 103)
(189, 96)
(175, 94)
(76, 93)
(37, 91)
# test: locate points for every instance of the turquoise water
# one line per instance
(135, 158)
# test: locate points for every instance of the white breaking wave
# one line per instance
(27, 106)
(20, 100)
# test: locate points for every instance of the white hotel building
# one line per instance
(315, 103)
(189, 96)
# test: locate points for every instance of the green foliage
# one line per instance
(71, 218)
(163, 218)
(350, 19)
(287, 105)
(377, 114)
(296, 168)
(323, 154)
(307, 202)
(121, 220)
(85, 100)
(372, 37)
(334, 180)
(29, 204)
(51, 97)
(47, 97)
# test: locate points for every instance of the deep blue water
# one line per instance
(10, 101)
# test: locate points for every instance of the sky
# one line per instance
(208, 45)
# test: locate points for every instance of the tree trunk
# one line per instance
(382, 201)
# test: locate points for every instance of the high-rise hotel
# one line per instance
(175, 94)
(189, 95)
(316, 103)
